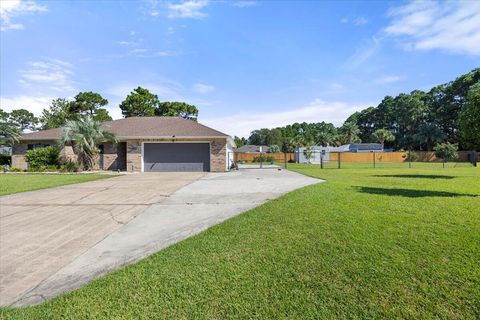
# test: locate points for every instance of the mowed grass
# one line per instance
(365, 244)
(14, 183)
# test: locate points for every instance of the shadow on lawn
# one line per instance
(421, 176)
(411, 193)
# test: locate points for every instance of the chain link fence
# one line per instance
(339, 160)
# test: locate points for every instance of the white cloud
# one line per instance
(388, 79)
(364, 52)
(156, 54)
(10, 9)
(360, 21)
(452, 26)
(242, 124)
(33, 104)
(203, 88)
(244, 4)
(336, 86)
(47, 75)
(187, 9)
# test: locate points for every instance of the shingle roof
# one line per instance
(143, 127)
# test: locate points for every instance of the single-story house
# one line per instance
(146, 144)
(250, 148)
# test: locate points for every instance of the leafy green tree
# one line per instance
(177, 109)
(428, 134)
(23, 119)
(273, 137)
(57, 114)
(85, 134)
(3, 116)
(470, 119)
(308, 153)
(274, 148)
(259, 137)
(102, 115)
(446, 151)
(382, 135)
(240, 142)
(140, 103)
(90, 103)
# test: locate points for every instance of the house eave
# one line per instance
(124, 138)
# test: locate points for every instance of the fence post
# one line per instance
(285, 160)
(321, 159)
(409, 158)
(338, 159)
(373, 159)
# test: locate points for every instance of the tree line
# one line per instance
(448, 113)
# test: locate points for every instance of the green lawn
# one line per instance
(14, 183)
(366, 244)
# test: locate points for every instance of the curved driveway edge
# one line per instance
(193, 208)
(42, 231)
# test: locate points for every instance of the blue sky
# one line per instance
(245, 64)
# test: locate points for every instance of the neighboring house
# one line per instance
(325, 151)
(146, 144)
(360, 147)
(249, 148)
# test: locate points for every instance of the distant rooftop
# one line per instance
(250, 148)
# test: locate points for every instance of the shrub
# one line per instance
(263, 159)
(274, 148)
(43, 157)
(411, 156)
(446, 151)
(16, 170)
(70, 166)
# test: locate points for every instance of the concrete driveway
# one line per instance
(193, 208)
(43, 231)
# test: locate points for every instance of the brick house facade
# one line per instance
(133, 133)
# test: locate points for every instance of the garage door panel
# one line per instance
(176, 157)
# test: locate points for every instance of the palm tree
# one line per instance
(84, 134)
(324, 139)
(351, 132)
(8, 133)
(382, 135)
(429, 134)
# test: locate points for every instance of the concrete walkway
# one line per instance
(42, 231)
(195, 207)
